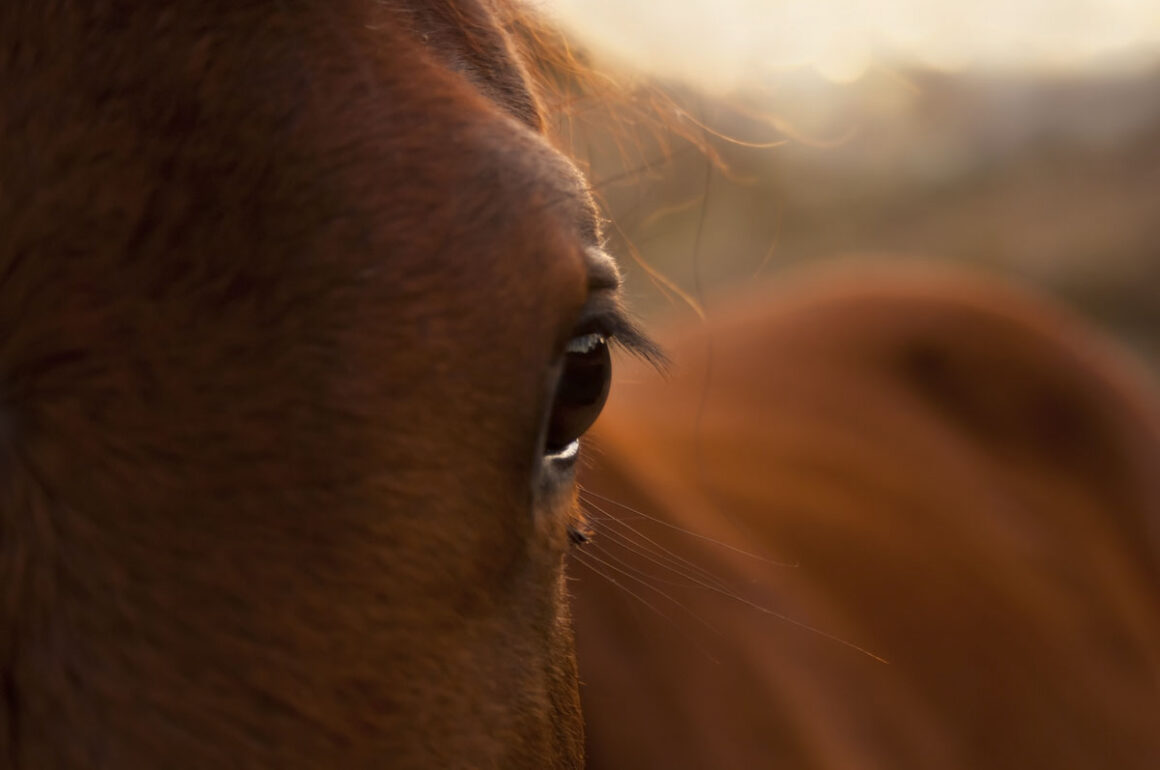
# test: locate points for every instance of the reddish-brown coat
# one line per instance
(281, 287)
(959, 477)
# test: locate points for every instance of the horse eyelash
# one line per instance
(625, 335)
(631, 339)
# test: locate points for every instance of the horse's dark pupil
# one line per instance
(580, 395)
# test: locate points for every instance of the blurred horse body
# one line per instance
(949, 473)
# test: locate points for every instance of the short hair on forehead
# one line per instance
(474, 38)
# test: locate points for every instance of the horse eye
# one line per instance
(580, 393)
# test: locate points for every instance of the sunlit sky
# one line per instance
(724, 44)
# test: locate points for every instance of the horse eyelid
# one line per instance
(606, 313)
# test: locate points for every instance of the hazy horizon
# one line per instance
(722, 45)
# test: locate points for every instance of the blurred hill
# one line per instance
(1055, 180)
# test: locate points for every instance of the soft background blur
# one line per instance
(1020, 135)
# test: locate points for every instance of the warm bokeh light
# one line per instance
(1018, 134)
(723, 44)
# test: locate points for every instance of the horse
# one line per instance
(893, 517)
(301, 320)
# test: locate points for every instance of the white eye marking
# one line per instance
(567, 453)
(585, 343)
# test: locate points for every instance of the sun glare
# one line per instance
(720, 45)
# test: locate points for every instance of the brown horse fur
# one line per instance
(953, 475)
(283, 288)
